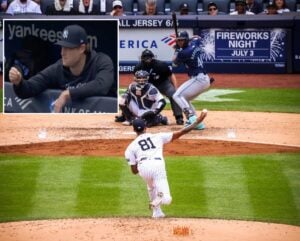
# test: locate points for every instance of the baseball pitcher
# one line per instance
(145, 157)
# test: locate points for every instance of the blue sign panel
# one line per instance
(242, 44)
(244, 50)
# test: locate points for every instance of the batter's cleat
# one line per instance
(157, 201)
(201, 126)
(191, 120)
(158, 213)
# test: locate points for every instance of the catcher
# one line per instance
(161, 76)
(142, 100)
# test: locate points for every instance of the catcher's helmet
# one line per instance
(141, 77)
(147, 56)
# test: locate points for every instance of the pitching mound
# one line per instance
(144, 229)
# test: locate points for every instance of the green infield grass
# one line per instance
(253, 187)
(261, 100)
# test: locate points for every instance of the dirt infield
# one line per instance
(98, 135)
(226, 133)
(144, 229)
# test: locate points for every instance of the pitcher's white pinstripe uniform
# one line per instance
(147, 152)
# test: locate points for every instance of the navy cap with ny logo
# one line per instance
(73, 36)
(138, 125)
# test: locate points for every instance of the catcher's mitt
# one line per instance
(149, 115)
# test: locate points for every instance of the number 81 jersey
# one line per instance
(147, 146)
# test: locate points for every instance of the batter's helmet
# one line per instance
(183, 35)
(141, 77)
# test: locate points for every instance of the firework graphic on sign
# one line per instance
(277, 43)
(208, 45)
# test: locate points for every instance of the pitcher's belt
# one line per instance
(145, 158)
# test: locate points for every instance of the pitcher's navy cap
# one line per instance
(73, 36)
(138, 125)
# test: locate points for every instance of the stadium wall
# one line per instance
(233, 44)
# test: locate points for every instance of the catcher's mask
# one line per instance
(141, 77)
(147, 56)
(183, 39)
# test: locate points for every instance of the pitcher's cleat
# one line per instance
(158, 213)
(157, 201)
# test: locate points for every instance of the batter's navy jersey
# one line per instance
(158, 71)
(146, 97)
(191, 57)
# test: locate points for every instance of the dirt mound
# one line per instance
(145, 229)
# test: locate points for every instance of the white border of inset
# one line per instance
(59, 19)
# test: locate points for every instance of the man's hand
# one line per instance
(15, 76)
(61, 101)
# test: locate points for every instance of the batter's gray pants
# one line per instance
(190, 90)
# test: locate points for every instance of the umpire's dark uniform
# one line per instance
(160, 74)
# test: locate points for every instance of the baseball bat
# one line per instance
(174, 18)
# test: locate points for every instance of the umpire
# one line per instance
(162, 78)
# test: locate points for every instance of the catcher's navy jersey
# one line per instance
(191, 57)
(144, 97)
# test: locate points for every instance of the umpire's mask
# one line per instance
(147, 57)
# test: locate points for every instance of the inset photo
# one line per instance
(60, 66)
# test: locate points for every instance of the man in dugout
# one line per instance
(80, 73)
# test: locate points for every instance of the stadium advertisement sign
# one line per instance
(252, 50)
(134, 41)
(224, 50)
